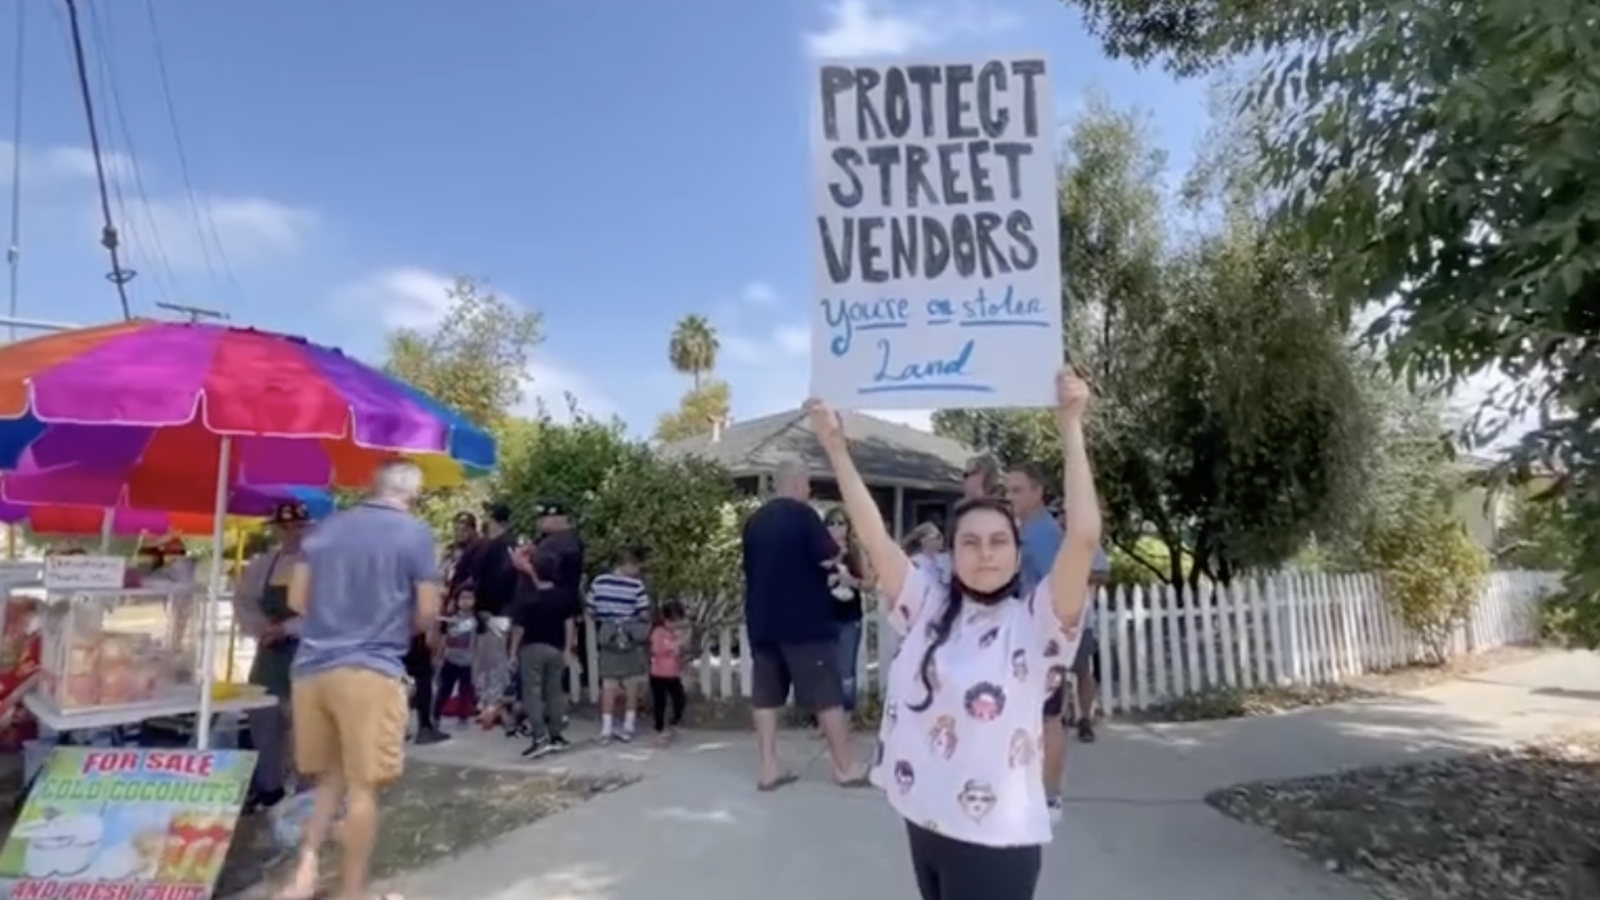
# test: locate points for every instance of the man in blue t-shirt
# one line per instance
(367, 583)
(789, 609)
(1041, 540)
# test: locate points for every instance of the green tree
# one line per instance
(1230, 424)
(475, 359)
(693, 348)
(697, 412)
(566, 462)
(682, 512)
(1440, 156)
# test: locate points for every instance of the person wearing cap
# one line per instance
(261, 607)
(544, 630)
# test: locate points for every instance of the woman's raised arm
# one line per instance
(888, 561)
(1069, 574)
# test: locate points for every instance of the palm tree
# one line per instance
(693, 348)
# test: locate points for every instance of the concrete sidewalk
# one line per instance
(695, 827)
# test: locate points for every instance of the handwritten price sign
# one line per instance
(936, 263)
(78, 573)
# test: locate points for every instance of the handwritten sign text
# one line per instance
(936, 271)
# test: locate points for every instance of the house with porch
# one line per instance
(914, 476)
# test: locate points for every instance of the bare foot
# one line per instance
(303, 885)
(859, 777)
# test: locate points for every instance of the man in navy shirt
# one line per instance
(789, 610)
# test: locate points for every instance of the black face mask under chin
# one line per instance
(989, 598)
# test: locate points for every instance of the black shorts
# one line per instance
(1087, 661)
(811, 669)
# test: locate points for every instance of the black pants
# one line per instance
(453, 678)
(419, 666)
(948, 869)
(662, 692)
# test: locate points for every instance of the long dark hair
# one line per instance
(946, 622)
(851, 551)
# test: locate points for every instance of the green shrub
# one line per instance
(1432, 573)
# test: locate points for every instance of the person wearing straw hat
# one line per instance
(261, 607)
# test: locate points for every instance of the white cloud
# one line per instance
(249, 230)
(759, 293)
(164, 228)
(879, 28)
(414, 297)
(782, 345)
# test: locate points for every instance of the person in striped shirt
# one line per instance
(620, 608)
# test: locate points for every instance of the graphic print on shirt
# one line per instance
(891, 712)
(985, 701)
(877, 753)
(942, 738)
(1019, 664)
(988, 637)
(1055, 678)
(1021, 749)
(904, 776)
(976, 799)
(904, 612)
(1052, 648)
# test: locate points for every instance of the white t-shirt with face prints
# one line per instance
(968, 766)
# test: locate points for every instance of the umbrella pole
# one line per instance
(208, 618)
(238, 569)
(108, 521)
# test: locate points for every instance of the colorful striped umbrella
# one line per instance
(247, 509)
(138, 414)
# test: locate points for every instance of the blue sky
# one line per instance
(615, 166)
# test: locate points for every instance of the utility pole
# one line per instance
(195, 313)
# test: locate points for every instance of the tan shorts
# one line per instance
(351, 723)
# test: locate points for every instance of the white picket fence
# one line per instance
(1287, 629)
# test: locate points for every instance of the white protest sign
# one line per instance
(78, 573)
(937, 268)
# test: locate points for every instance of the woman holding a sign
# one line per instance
(961, 741)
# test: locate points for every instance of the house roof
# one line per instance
(884, 452)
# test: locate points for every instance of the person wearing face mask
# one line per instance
(961, 741)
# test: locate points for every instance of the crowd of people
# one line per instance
(361, 625)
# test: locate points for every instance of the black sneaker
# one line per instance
(263, 800)
(560, 743)
(428, 736)
(1086, 730)
(539, 747)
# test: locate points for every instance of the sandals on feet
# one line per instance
(787, 778)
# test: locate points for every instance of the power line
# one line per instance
(206, 224)
(118, 276)
(116, 121)
(14, 249)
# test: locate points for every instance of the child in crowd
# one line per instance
(506, 710)
(668, 638)
(620, 607)
(455, 659)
